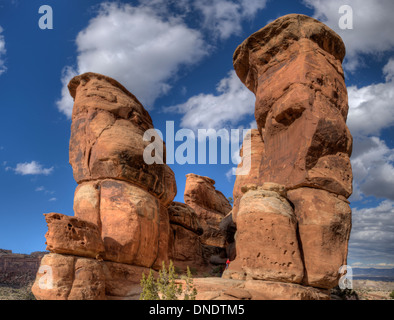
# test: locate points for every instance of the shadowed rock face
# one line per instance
(185, 247)
(293, 65)
(210, 205)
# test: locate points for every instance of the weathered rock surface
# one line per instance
(250, 159)
(67, 277)
(185, 247)
(293, 65)
(108, 124)
(266, 241)
(210, 205)
(228, 229)
(183, 215)
(70, 235)
(130, 223)
(229, 289)
(324, 222)
(121, 221)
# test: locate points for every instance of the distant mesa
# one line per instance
(17, 269)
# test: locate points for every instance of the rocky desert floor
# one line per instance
(365, 290)
(16, 293)
(373, 290)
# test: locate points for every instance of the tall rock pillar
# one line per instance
(303, 175)
(121, 225)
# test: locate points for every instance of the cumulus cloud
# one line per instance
(224, 17)
(372, 235)
(2, 52)
(232, 102)
(32, 168)
(373, 170)
(372, 26)
(371, 107)
(138, 46)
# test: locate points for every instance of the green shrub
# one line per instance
(392, 294)
(149, 287)
(165, 287)
(190, 291)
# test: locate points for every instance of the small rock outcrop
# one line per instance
(210, 205)
(184, 241)
(293, 220)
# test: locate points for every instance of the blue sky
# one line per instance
(176, 57)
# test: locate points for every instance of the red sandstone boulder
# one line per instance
(130, 219)
(87, 202)
(107, 131)
(183, 215)
(293, 65)
(66, 277)
(210, 205)
(185, 247)
(324, 222)
(266, 238)
(70, 235)
(228, 289)
(123, 282)
(250, 158)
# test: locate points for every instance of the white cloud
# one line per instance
(371, 111)
(373, 26)
(66, 102)
(138, 47)
(43, 189)
(224, 17)
(371, 108)
(32, 168)
(208, 111)
(52, 199)
(388, 70)
(2, 52)
(372, 235)
(373, 170)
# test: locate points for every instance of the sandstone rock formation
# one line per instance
(293, 65)
(290, 212)
(231, 289)
(210, 205)
(228, 229)
(293, 219)
(121, 221)
(185, 247)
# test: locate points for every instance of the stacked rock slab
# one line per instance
(185, 248)
(121, 225)
(210, 205)
(297, 210)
